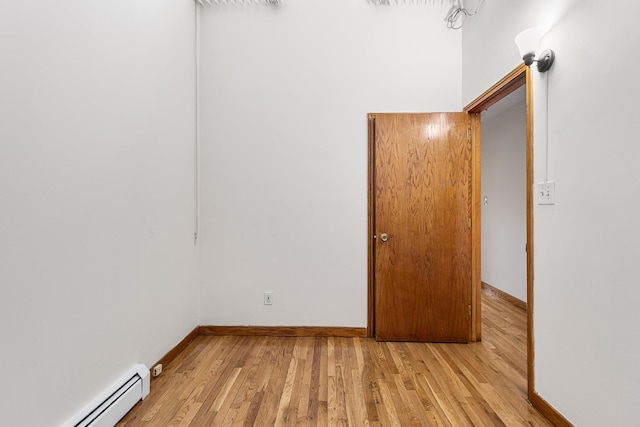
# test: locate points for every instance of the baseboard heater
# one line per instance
(114, 403)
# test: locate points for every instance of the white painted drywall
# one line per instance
(587, 346)
(285, 97)
(98, 270)
(504, 185)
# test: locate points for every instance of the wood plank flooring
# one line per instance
(275, 381)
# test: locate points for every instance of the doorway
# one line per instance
(504, 211)
(519, 77)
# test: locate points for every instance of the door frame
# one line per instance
(520, 76)
(371, 266)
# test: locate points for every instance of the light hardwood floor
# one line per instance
(269, 381)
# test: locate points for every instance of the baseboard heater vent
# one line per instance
(114, 403)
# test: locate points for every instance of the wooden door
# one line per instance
(422, 224)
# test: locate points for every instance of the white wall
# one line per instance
(284, 156)
(586, 320)
(504, 184)
(98, 270)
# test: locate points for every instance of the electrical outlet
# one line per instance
(547, 193)
(157, 370)
(267, 298)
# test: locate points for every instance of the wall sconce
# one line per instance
(527, 42)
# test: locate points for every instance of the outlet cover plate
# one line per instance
(157, 370)
(546, 192)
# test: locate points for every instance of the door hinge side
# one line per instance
(469, 222)
(469, 309)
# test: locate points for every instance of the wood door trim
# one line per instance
(506, 85)
(371, 306)
(476, 288)
(530, 299)
(521, 75)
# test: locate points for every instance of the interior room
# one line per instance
(165, 163)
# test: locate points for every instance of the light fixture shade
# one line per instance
(527, 42)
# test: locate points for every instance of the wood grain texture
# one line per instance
(422, 201)
(371, 294)
(521, 75)
(284, 331)
(509, 83)
(494, 292)
(476, 226)
(175, 351)
(328, 381)
(530, 243)
(550, 412)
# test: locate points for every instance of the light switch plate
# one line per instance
(546, 193)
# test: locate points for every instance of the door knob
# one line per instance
(384, 237)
